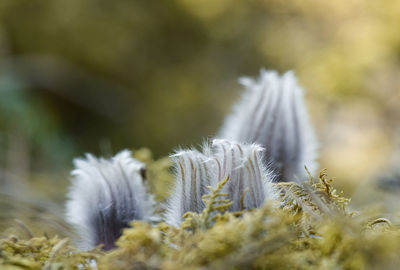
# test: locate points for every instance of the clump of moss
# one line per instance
(158, 173)
(43, 253)
(310, 229)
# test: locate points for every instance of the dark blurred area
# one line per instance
(98, 76)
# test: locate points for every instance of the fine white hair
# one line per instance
(195, 171)
(105, 196)
(272, 113)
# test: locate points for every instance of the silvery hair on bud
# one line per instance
(249, 177)
(192, 176)
(272, 113)
(105, 196)
(222, 158)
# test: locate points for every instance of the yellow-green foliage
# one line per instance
(43, 253)
(310, 229)
(158, 173)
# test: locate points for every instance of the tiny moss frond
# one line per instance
(324, 186)
(314, 197)
(215, 204)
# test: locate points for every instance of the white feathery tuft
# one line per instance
(105, 196)
(249, 179)
(191, 184)
(272, 113)
(248, 176)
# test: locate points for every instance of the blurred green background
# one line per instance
(98, 76)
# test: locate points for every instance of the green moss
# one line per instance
(158, 173)
(311, 230)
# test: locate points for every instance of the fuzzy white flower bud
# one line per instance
(272, 114)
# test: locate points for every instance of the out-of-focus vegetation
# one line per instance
(97, 76)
